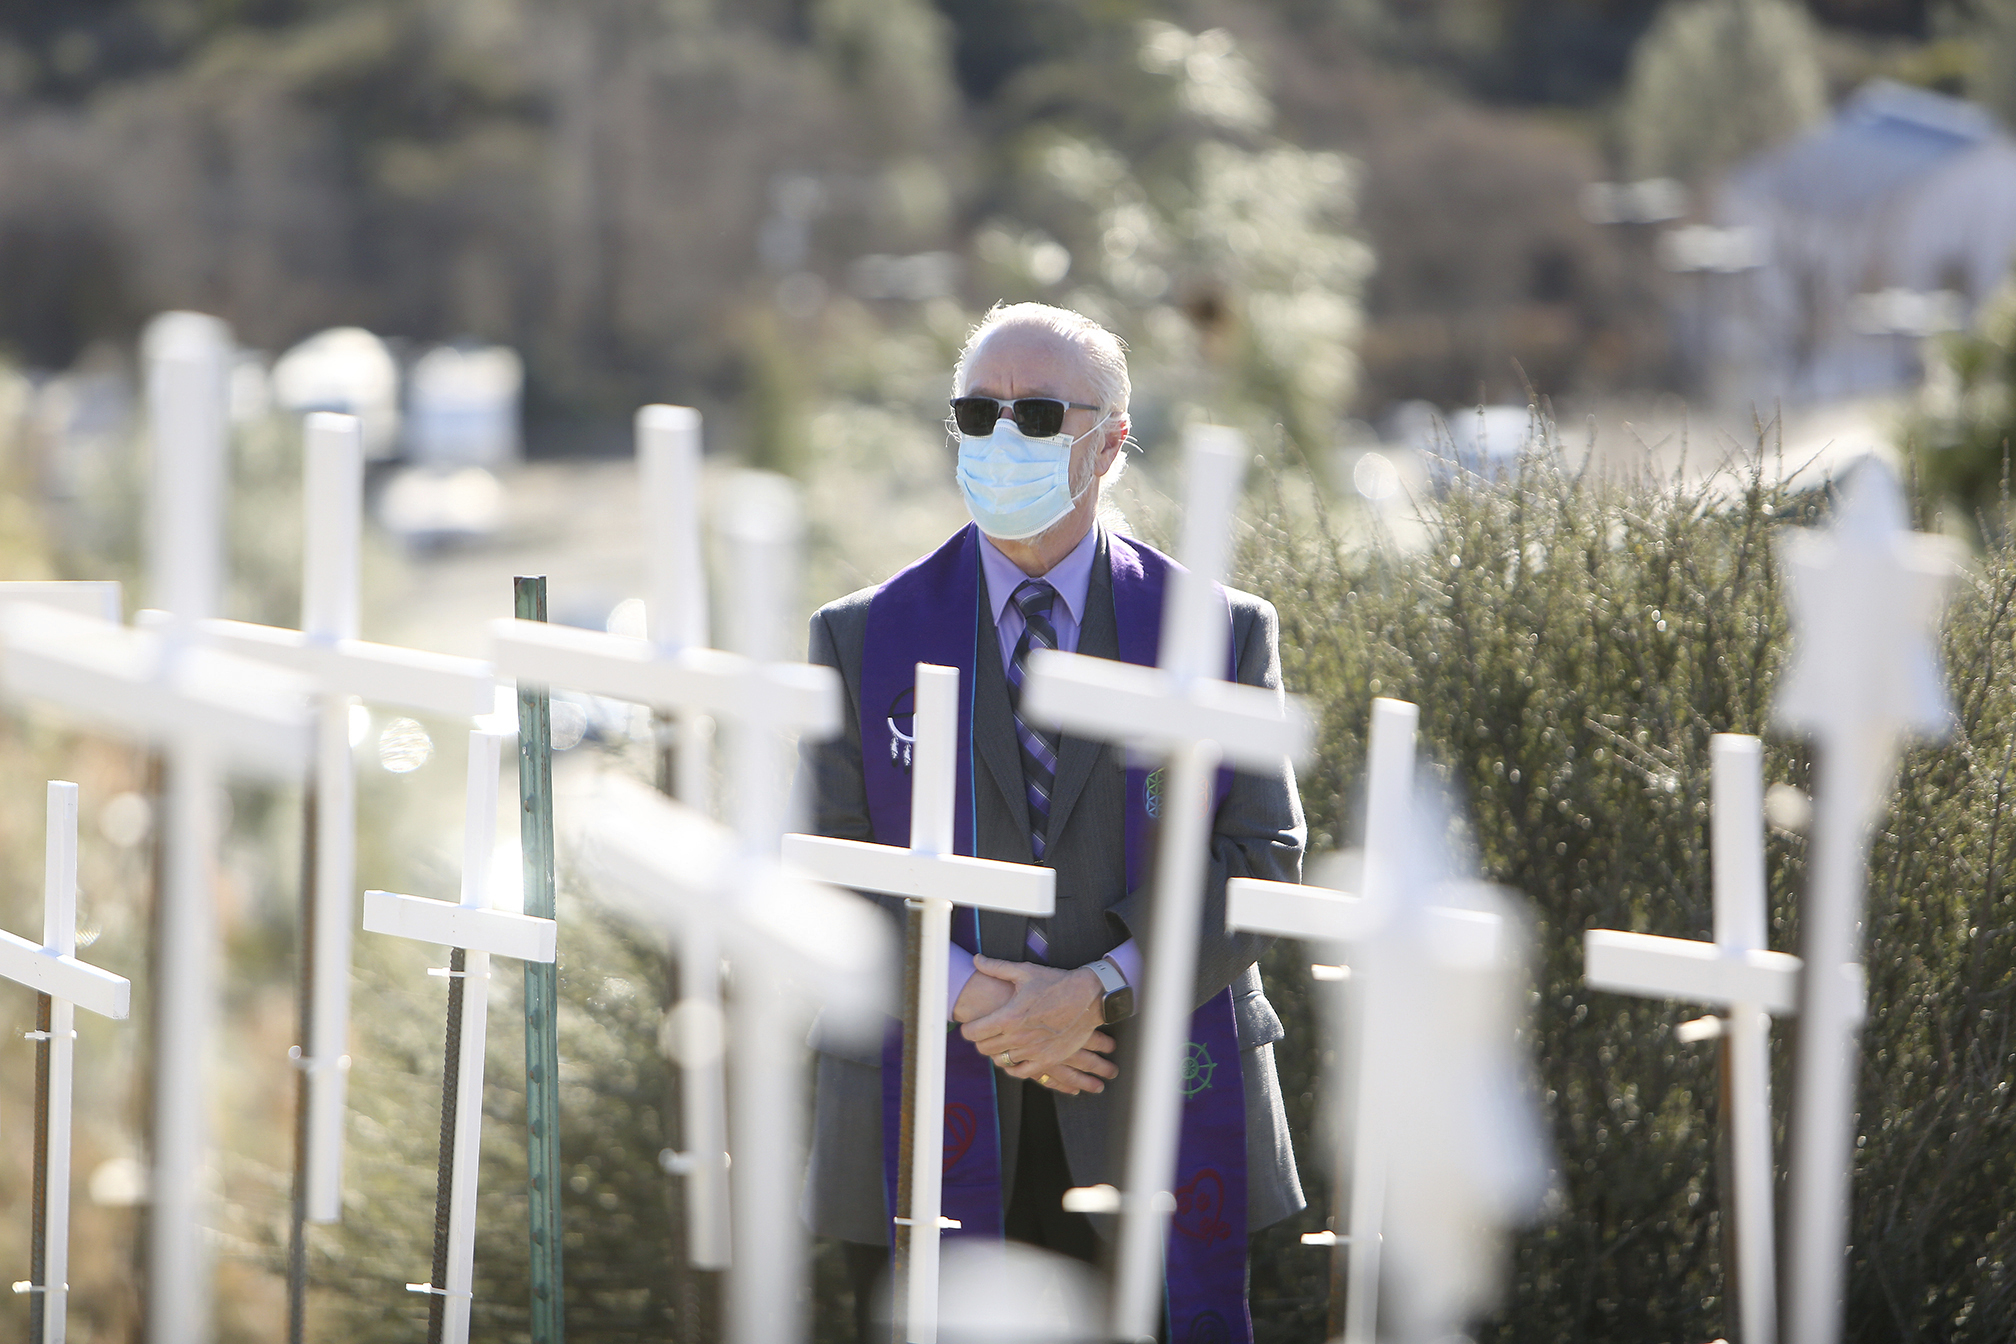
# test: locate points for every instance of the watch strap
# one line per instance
(1111, 981)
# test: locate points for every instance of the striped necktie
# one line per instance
(1039, 748)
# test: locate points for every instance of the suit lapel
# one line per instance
(1098, 637)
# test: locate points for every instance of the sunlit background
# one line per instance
(1391, 240)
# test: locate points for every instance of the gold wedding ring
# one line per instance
(1045, 1079)
(1007, 1059)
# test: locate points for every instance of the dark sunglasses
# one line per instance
(1038, 417)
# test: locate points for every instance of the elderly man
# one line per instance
(1035, 1102)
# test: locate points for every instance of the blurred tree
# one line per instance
(1146, 188)
(1714, 81)
(1990, 30)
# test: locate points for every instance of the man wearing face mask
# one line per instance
(1035, 1103)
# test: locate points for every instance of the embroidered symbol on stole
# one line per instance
(1200, 1208)
(960, 1131)
(1208, 1328)
(902, 745)
(1198, 1067)
(1151, 801)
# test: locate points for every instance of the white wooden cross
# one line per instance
(1865, 597)
(1186, 709)
(1448, 1090)
(61, 983)
(326, 648)
(474, 931)
(1358, 925)
(933, 878)
(208, 709)
(762, 700)
(673, 670)
(794, 946)
(1738, 973)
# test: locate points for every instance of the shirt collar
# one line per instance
(1071, 576)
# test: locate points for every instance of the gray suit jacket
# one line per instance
(1258, 832)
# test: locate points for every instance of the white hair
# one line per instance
(1105, 354)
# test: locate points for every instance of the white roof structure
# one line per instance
(1893, 220)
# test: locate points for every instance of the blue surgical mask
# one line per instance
(1016, 486)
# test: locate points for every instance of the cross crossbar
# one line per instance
(81, 598)
(1319, 914)
(435, 683)
(801, 696)
(478, 929)
(1286, 910)
(1654, 967)
(1152, 709)
(1012, 888)
(255, 716)
(64, 977)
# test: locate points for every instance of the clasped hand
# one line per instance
(1038, 1022)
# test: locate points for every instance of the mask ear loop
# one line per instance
(1092, 480)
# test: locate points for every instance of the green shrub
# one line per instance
(1573, 642)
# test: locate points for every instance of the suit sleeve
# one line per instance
(832, 791)
(1258, 830)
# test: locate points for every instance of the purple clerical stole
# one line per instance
(931, 613)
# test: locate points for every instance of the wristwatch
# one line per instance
(1118, 1002)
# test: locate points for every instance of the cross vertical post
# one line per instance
(186, 389)
(933, 877)
(1193, 648)
(668, 460)
(1389, 800)
(333, 495)
(1865, 597)
(1736, 807)
(1184, 709)
(542, 989)
(474, 931)
(61, 982)
(763, 526)
(932, 800)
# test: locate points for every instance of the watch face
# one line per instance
(1119, 1005)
